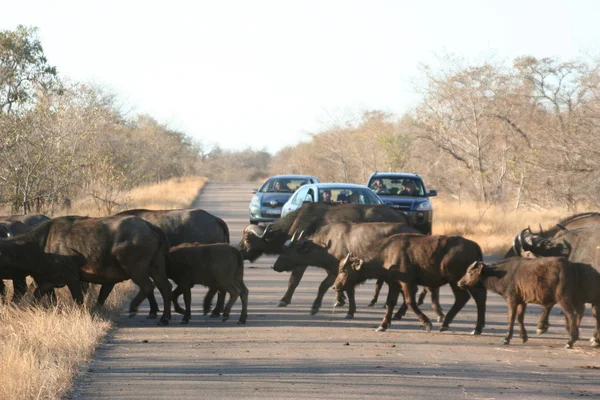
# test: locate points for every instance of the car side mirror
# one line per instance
(254, 191)
(432, 193)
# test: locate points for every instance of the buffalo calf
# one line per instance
(544, 281)
(217, 266)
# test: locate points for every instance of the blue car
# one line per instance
(267, 201)
(407, 193)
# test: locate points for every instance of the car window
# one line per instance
(354, 196)
(397, 186)
(299, 196)
(282, 185)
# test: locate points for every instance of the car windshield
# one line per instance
(282, 185)
(352, 196)
(397, 187)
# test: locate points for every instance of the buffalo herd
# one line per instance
(351, 242)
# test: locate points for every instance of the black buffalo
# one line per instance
(408, 260)
(10, 226)
(68, 250)
(189, 226)
(333, 242)
(257, 241)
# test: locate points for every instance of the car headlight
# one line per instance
(255, 202)
(424, 206)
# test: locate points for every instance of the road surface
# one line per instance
(285, 353)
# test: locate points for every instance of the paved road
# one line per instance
(286, 353)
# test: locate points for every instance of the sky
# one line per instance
(264, 74)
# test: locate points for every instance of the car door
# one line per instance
(295, 201)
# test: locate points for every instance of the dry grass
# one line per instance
(42, 346)
(493, 227)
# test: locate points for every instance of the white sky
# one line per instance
(261, 74)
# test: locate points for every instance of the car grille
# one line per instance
(402, 207)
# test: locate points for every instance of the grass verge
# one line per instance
(41, 346)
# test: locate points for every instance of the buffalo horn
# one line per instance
(301, 234)
(265, 231)
(564, 228)
(517, 245)
(293, 237)
(541, 229)
(347, 258)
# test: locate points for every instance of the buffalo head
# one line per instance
(256, 241)
(541, 246)
(300, 251)
(472, 277)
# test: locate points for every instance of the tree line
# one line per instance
(525, 134)
(60, 140)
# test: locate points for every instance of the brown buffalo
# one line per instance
(217, 266)
(544, 281)
(68, 250)
(407, 260)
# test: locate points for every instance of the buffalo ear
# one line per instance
(328, 246)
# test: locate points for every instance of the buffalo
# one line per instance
(330, 244)
(68, 250)
(257, 241)
(10, 226)
(407, 260)
(544, 281)
(189, 226)
(218, 266)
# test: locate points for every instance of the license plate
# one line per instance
(272, 211)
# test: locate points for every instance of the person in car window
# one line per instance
(409, 188)
(378, 186)
(326, 196)
(277, 187)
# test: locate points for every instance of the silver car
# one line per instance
(267, 201)
(335, 193)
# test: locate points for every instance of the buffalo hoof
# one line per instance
(242, 321)
(214, 315)
(163, 322)
(525, 339)
(506, 342)
(444, 329)
(380, 329)
(349, 316)
(428, 327)
(152, 316)
(339, 303)
(314, 310)
(225, 318)
(185, 321)
(282, 304)
(397, 317)
(476, 332)
(595, 343)
(370, 304)
(440, 318)
(568, 346)
(541, 331)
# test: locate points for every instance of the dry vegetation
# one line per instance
(40, 346)
(492, 226)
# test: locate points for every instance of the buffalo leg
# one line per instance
(521, 320)
(3, 289)
(572, 327)
(74, 286)
(392, 299)
(216, 312)
(352, 304)
(210, 294)
(402, 310)
(325, 284)
(378, 286)
(294, 281)
(543, 324)
(165, 288)
(512, 313)
(422, 297)
(244, 299)
(410, 297)
(460, 299)
(234, 293)
(105, 290)
(596, 313)
(187, 299)
(435, 301)
(175, 299)
(19, 288)
(480, 297)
